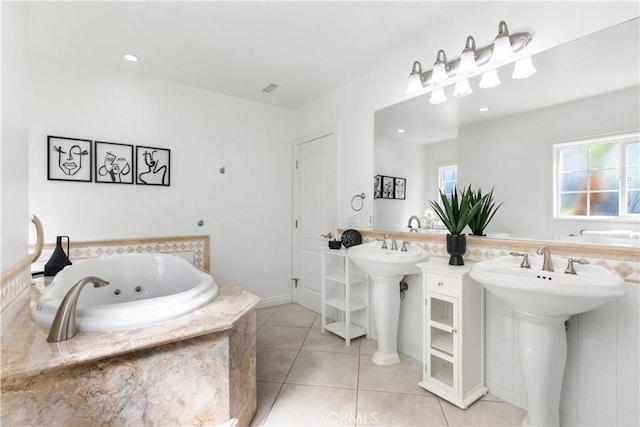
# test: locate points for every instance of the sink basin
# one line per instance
(386, 268)
(543, 301)
(378, 262)
(549, 293)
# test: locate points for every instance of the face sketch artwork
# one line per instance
(155, 173)
(70, 162)
(115, 167)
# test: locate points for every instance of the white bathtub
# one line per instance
(143, 289)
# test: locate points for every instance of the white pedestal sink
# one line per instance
(386, 268)
(543, 301)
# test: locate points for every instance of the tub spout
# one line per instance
(64, 324)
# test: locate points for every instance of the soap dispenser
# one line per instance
(59, 259)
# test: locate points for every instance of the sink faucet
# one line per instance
(415, 230)
(394, 244)
(547, 263)
(64, 324)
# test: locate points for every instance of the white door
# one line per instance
(315, 192)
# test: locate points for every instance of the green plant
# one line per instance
(456, 212)
(487, 210)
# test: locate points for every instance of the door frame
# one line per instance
(297, 142)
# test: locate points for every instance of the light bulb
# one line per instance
(438, 96)
(468, 63)
(439, 74)
(462, 88)
(524, 68)
(502, 49)
(489, 79)
(415, 84)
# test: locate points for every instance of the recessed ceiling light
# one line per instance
(400, 130)
(130, 57)
(483, 109)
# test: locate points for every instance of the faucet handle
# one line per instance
(384, 243)
(404, 245)
(525, 259)
(570, 268)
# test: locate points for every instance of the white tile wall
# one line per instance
(601, 385)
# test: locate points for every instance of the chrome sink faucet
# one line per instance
(64, 324)
(410, 227)
(547, 262)
(394, 244)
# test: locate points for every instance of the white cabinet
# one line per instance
(345, 296)
(453, 344)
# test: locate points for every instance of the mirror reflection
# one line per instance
(511, 138)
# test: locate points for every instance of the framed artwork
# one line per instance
(377, 187)
(387, 187)
(153, 165)
(113, 163)
(68, 159)
(400, 188)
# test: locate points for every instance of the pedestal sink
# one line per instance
(386, 268)
(543, 301)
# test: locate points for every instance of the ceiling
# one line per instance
(599, 63)
(238, 48)
(306, 47)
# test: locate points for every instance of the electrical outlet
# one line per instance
(352, 221)
(370, 220)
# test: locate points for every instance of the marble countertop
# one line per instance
(26, 352)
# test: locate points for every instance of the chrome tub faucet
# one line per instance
(64, 324)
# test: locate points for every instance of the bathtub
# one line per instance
(143, 289)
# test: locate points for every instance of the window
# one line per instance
(447, 178)
(598, 178)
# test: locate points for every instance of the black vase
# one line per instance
(59, 259)
(456, 247)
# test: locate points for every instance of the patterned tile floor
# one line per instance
(310, 378)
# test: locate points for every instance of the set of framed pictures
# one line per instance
(389, 187)
(84, 160)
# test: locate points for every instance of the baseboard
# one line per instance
(271, 301)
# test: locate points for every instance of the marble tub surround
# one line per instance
(196, 369)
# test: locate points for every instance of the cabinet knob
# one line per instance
(454, 331)
(440, 283)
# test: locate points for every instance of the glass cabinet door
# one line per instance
(442, 340)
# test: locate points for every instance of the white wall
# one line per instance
(246, 211)
(403, 160)
(14, 220)
(522, 146)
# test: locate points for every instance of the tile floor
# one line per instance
(310, 378)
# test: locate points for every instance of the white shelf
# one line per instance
(442, 342)
(340, 329)
(341, 304)
(443, 324)
(340, 278)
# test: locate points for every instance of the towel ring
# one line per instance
(360, 196)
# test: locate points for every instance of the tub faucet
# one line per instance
(410, 227)
(64, 324)
(547, 262)
(394, 244)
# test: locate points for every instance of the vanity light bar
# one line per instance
(483, 56)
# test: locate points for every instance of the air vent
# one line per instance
(270, 87)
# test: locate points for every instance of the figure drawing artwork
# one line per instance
(68, 159)
(153, 165)
(113, 163)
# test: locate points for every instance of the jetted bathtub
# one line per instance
(143, 289)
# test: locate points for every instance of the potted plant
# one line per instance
(455, 213)
(487, 210)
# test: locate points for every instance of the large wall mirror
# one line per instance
(586, 88)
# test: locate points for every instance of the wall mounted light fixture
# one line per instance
(471, 62)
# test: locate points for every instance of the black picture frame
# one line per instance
(113, 163)
(400, 188)
(388, 190)
(377, 186)
(153, 166)
(69, 159)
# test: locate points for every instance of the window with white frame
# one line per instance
(598, 178)
(447, 178)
